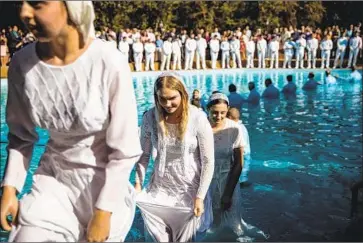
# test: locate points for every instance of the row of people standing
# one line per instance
(230, 51)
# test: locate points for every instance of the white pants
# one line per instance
(249, 60)
(189, 58)
(159, 53)
(341, 54)
(299, 58)
(138, 61)
(353, 55)
(149, 61)
(166, 60)
(61, 203)
(126, 56)
(214, 57)
(201, 57)
(287, 60)
(236, 56)
(225, 59)
(261, 59)
(274, 58)
(177, 61)
(312, 58)
(325, 59)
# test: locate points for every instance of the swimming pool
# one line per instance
(306, 152)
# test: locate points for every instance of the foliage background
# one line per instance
(209, 14)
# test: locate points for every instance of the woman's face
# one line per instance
(169, 99)
(45, 19)
(218, 113)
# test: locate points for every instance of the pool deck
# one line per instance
(4, 69)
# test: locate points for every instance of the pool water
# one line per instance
(306, 151)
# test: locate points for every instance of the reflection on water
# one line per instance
(306, 151)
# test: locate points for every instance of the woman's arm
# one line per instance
(206, 147)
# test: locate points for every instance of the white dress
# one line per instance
(89, 110)
(225, 141)
(182, 172)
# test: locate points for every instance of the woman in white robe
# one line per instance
(172, 203)
(226, 198)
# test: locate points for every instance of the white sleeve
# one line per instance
(239, 142)
(121, 138)
(206, 147)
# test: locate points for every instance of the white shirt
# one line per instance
(235, 45)
(167, 47)
(138, 47)
(261, 45)
(149, 48)
(312, 44)
(326, 45)
(83, 106)
(274, 46)
(124, 47)
(176, 45)
(250, 47)
(214, 45)
(201, 45)
(342, 43)
(300, 44)
(225, 46)
(217, 34)
(190, 45)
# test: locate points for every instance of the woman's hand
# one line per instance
(9, 206)
(138, 187)
(198, 207)
(99, 226)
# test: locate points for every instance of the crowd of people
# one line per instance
(184, 46)
(80, 89)
(179, 49)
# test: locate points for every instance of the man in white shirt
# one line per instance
(216, 33)
(124, 47)
(288, 52)
(176, 51)
(300, 51)
(312, 46)
(354, 45)
(190, 47)
(214, 50)
(138, 49)
(250, 49)
(341, 47)
(326, 45)
(261, 51)
(225, 52)
(274, 47)
(201, 48)
(149, 55)
(167, 50)
(235, 52)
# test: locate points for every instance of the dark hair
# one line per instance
(252, 84)
(311, 75)
(216, 102)
(232, 88)
(268, 81)
(196, 102)
(289, 78)
(216, 92)
(353, 68)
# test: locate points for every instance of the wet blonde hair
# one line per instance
(172, 83)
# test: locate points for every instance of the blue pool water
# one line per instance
(306, 152)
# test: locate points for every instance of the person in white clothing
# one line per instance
(325, 46)
(300, 46)
(216, 33)
(261, 51)
(274, 47)
(124, 48)
(214, 50)
(176, 46)
(341, 47)
(190, 47)
(225, 46)
(167, 51)
(355, 44)
(288, 52)
(201, 47)
(81, 190)
(138, 49)
(235, 52)
(312, 47)
(234, 115)
(149, 55)
(250, 49)
(172, 203)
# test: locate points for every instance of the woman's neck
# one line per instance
(63, 49)
(175, 117)
(217, 127)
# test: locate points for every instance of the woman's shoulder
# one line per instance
(109, 54)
